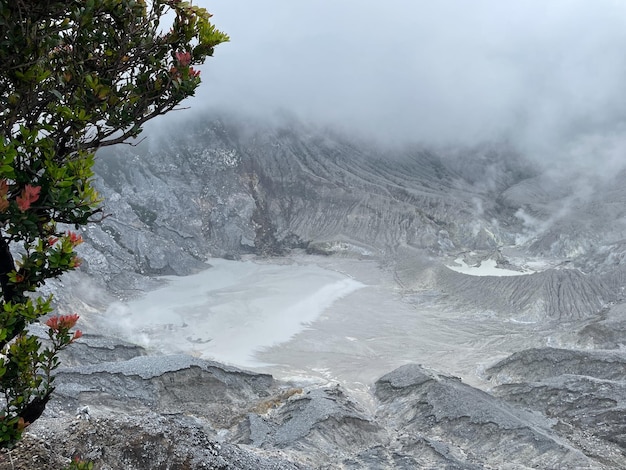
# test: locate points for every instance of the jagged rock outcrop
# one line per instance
(169, 385)
(136, 441)
(178, 412)
(323, 424)
(467, 426)
(541, 363)
(584, 391)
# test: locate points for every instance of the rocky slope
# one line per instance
(225, 187)
(177, 412)
(229, 188)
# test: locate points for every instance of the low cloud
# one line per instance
(544, 75)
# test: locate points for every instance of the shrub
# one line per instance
(76, 75)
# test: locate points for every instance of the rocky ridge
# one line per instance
(178, 412)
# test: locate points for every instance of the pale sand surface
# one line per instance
(232, 310)
(318, 319)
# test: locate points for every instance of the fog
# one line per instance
(547, 76)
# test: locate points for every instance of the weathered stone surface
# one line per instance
(606, 331)
(554, 294)
(473, 426)
(533, 365)
(584, 390)
(324, 424)
(132, 410)
(142, 441)
(170, 385)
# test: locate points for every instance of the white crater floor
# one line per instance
(487, 268)
(317, 319)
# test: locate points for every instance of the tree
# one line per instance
(75, 75)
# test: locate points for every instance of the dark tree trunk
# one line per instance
(35, 409)
(9, 292)
(6, 266)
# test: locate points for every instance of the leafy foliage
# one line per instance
(75, 75)
(78, 464)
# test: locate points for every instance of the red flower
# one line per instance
(53, 323)
(77, 334)
(68, 321)
(183, 58)
(52, 241)
(75, 239)
(63, 322)
(29, 195)
(194, 73)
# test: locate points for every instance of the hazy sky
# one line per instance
(546, 73)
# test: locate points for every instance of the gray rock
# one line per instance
(323, 424)
(554, 294)
(587, 403)
(470, 425)
(605, 331)
(170, 385)
(150, 440)
(584, 390)
(533, 365)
